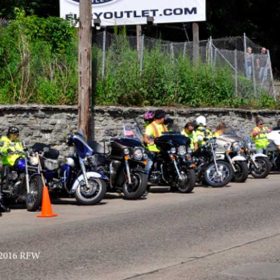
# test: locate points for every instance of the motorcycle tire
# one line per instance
(189, 184)
(241, 173)
(93, 195)
(137, 188)
(263, 170)
(34, 197)
(213, 179)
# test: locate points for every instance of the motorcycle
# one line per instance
(22, 182)
(258, 164)
(210, 170)
(173, 164)
(272, 150)
(229, 148)
(72, 175)
(125, 164)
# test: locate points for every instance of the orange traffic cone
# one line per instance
(46, 205)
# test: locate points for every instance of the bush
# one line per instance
(38, 60)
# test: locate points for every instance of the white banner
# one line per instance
(126, 12)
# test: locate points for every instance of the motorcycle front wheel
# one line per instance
(34, 197)
(187, 184)
(241, 173)
(92, 194)
(138, 186)
(218, 177)
(262, 169)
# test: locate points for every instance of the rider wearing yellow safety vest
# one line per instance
(9, 146)
(259, 136)
(202, 131)
(154, 130)
(220, 130)
(189, 132)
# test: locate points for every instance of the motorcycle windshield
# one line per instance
(82, 148)
(177, 138)
(132, 131)
(230, 135)
(128, 142)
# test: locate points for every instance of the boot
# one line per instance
(3, 208)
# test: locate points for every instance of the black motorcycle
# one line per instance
(22, 182)
(209, 170)
(124, 164)
(172, 166)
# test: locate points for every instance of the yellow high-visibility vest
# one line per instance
(5, 145)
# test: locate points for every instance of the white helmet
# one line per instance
(201, 120)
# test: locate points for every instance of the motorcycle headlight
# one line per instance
(173, 150)
(137, 154)
(126, 151)
(33, 160)
(51, 164)
(227, 146)
(236, 147)
(253, 146)
(182, 150)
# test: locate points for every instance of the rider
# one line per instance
(9, 146)
(154, 130)
(259, 136)
(220, 129)
(202, 131)
(148, 118)
(189, 132)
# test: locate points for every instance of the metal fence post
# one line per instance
(271, 75)
(172, 52)
(103, 54)
(184, 49)
(235, 72)
(254, 75)
(142, 54)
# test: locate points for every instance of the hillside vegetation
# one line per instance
(38, 60)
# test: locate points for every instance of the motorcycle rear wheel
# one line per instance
(137, 188)
(34, 197)
(92, 195)
(215, 179)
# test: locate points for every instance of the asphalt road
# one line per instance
(213, 233)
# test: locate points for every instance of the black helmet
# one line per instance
(13, 130)
(159, 114)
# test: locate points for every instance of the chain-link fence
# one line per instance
(249, 64)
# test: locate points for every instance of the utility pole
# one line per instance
(85, 67)
(195, 31)
(138, 39)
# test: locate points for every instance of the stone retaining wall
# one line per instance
(51, 124)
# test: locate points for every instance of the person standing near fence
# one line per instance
(249, 63)
(262, 64)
